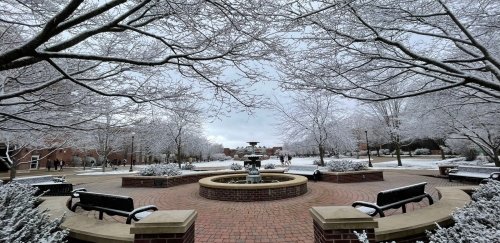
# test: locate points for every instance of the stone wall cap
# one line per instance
(164, 222)
(342, 217)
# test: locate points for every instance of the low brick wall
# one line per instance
(163, 181)
(353, 176)
(252, 195)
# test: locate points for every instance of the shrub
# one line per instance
(236, 166)
(21, 221)
(385, 151)
(269, 166)
(422, 151)
(188, 166)
(346, 165)
(160, 170)
(317, 162)
(477, 221)
(470, 154)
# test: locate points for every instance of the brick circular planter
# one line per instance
(293, 186)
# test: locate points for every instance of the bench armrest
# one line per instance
(132, 214)
(378, 210)
(74, 194)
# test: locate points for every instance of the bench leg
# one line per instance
(101, 214)
(404, 208)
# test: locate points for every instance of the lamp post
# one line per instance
(132, 154)
(368, 148)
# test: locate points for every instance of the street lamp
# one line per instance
(132, 154)
(368, 148)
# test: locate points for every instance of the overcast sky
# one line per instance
(240, 128)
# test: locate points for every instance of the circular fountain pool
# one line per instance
(234, 188)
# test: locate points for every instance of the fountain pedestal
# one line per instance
(253, 174)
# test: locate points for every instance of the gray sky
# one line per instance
(240, 128)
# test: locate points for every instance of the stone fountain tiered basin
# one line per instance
(232, 188)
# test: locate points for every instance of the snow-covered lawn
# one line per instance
(408, 164)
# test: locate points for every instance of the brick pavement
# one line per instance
(285, 220)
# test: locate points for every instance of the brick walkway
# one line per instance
(274, 221)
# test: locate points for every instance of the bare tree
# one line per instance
(143, 51)
(452, 117)
(312, 118)
(356, 48)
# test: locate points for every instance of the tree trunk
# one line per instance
(443, 157)
(495, 158)
(179, 155)
(321, 155)
(398, 153)
(410, 153)
(13, 171)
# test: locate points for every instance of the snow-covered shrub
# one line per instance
(385, 151)
(236, 166)
(477, 221)
(269, 166)
(220, 157)
(188, 166)
(422, 151)
(20, 219)
(470, 154)
(345, 165)
(160, 170)
(317, 162)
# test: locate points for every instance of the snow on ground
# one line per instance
(408, 164)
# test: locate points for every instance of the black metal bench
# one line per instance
(51, 185)
(109, 204)
(394, 198)
(472, 172)
(53, 189)
(493, 176)
(249, 163)
(310, 171)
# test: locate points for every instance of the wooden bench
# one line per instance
(394, 198)
(111, 205)
(472, 172)
(51, 185)
(305, 170)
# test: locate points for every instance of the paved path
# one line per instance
(274, 221)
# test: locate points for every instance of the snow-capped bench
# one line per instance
(305, 170)
(37, 179)
(493, 176)
(51, 185)
(472, 172)
(394, 198)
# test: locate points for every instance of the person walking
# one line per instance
(49, 164)
(62, 165)
(56, 164)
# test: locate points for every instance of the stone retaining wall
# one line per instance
(352, 176)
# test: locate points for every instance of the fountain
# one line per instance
(253, 174)
(254, 186)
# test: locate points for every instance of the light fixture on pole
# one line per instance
(132, 154)
(368, 148)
